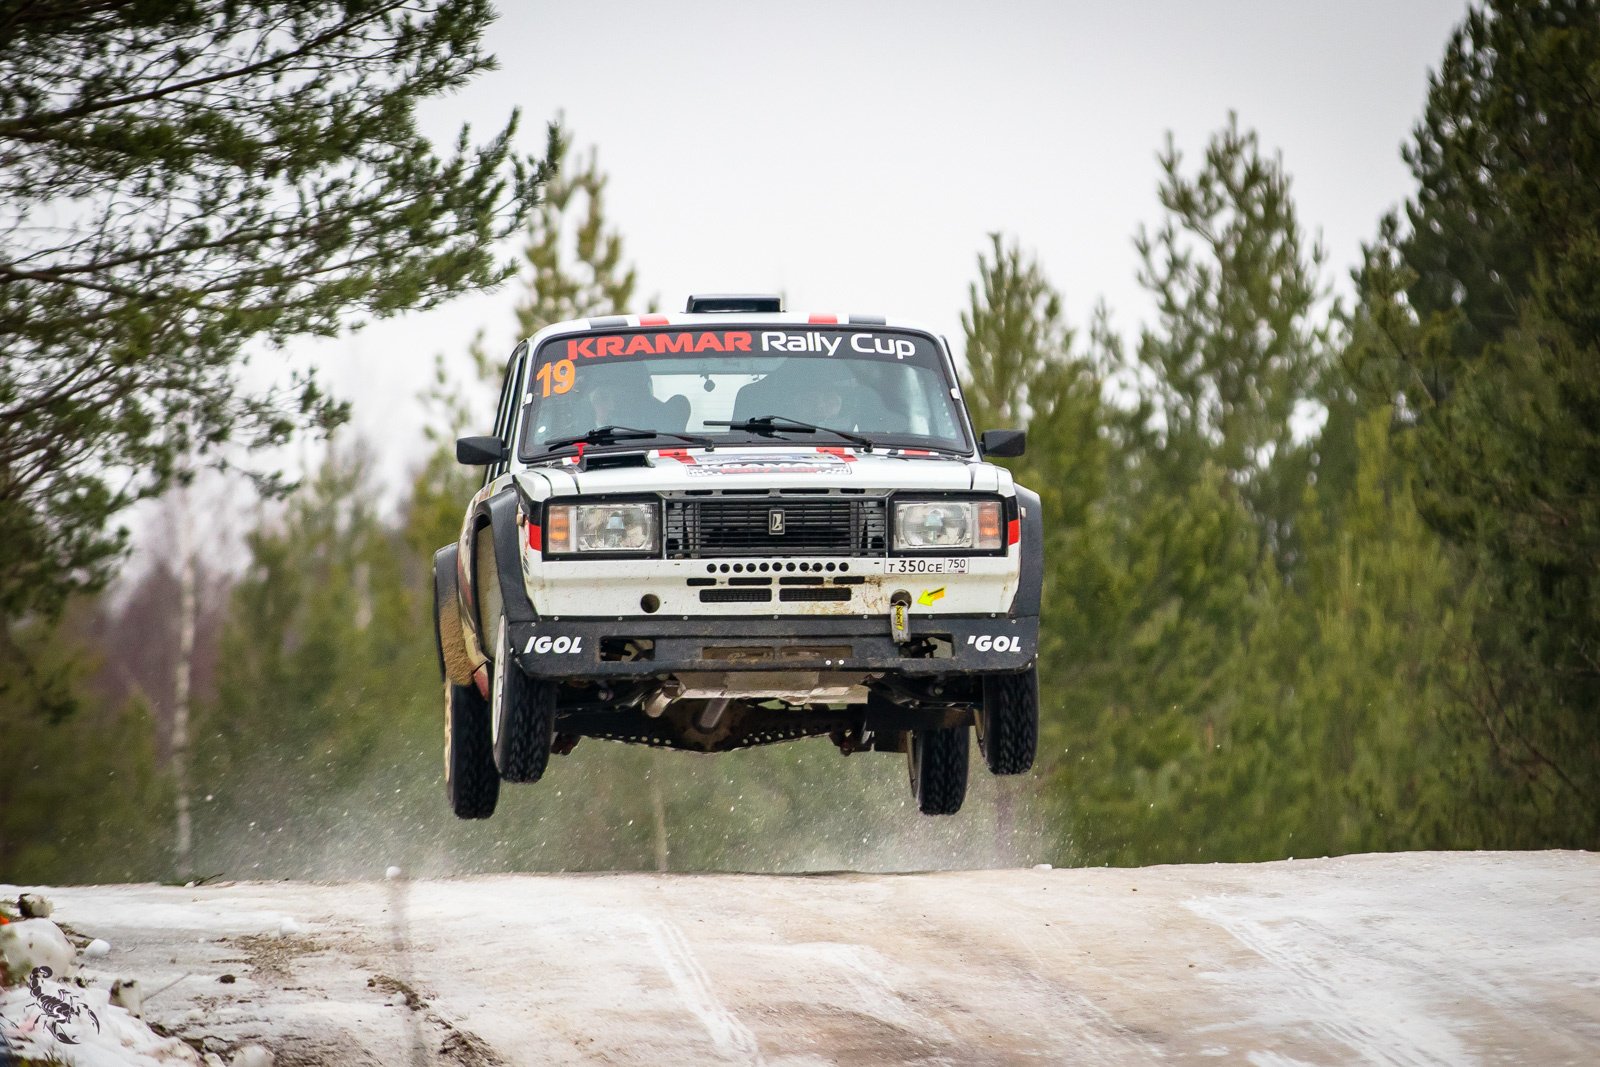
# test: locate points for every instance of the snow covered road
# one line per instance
(1427, 958)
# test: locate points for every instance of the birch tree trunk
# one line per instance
(181, 682)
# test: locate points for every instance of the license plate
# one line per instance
(927, 566)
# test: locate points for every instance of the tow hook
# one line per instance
(900, 616)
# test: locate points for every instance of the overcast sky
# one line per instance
(855, 155)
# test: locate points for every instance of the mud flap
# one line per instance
(455, 665)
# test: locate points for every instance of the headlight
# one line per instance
(932, 525)
(574, 528)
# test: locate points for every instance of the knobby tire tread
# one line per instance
(1011, 735)
(942, 781)
(473, 787)
(528, 729)
(529, 726)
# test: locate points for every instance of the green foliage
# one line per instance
(1375, 670)
(1022, 370)
(1260, 639)
(1239, 660)
(81, 798)
(179, 181)
(316, 642)
(1482, 326)
(1154, 618)
(1237, 344)
(1014, 334)
(1156, 681)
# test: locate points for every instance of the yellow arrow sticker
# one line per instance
(930, 595)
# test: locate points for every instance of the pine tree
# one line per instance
(1175, 746)
(1159, 687)
(1022, 371)
(1014, 333)
(1371, 669)
(1486, 338)
(180, 181)
(1240, 335)
(1176, 749)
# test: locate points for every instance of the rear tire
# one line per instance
(937, 761)
(523, 713)
(1008, 723)
(471, 783)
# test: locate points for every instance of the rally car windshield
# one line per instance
(889, 387)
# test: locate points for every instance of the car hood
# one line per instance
(743, 467)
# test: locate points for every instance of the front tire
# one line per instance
(471, 783)
(1008, 722)
(523, 712)
(938, 765)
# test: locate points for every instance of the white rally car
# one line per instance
(734, 527)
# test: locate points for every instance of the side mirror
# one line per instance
(479, 451)
(1004, 444)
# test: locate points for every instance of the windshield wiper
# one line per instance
(763, 424)
(609, 435)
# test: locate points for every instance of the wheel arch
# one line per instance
(497, 566)
(1030, 583)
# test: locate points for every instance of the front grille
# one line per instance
(743, 526)
(735, 596)
(813, 594)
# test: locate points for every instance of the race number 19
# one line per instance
(556, 377)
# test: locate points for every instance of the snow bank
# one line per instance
(1407, 959)
(47, 1017)
(97, 1034)
(34, 943)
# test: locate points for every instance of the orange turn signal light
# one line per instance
(558, 529)
(989, 524)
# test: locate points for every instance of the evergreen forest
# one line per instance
(1323, 571)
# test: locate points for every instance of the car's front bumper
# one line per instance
(700, 587)
(939, 645)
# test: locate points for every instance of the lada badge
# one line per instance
(775, 525)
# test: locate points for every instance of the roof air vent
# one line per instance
(700, 304)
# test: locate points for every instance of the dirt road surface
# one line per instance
(1396, 960)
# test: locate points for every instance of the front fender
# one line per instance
(496, 566)
(1030, 583)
